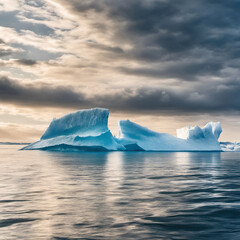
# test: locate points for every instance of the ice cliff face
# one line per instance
(87, 130)
(88, 122)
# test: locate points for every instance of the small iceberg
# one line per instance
(87, 130)
(230, 146)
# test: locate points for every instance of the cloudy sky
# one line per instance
(161, 63)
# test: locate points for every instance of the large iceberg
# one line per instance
(87, 130)
(84, 130)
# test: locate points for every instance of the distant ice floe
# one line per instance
(87, 130)
(230, 146)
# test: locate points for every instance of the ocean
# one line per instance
(119, 195)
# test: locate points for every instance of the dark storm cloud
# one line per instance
(161, 31)
(193, 41)
(28, 94)
(188, 71)
(206, 99)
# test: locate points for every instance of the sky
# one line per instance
(164, 64)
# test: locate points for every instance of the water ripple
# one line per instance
(11, 221)
(102, 196)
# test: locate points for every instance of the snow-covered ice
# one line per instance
(87, 130)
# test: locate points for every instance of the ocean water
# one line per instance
(119, 195)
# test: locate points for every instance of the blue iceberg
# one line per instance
(87, 130)
(188, 139)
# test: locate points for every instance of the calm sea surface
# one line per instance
(119, 195)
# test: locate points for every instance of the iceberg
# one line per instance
(230, 146)
(87, 130)
(188, 139)
(84, 130)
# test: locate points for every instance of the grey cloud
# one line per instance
(5, 52)
(187, 40)
(172, 30)
(26, 62)
(157, 31)
(13, 91)
(188, 71)
(224, 98)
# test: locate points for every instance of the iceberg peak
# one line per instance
(82, 123)
(210, 130)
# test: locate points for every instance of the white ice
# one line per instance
(189, 139)
(230, 146)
